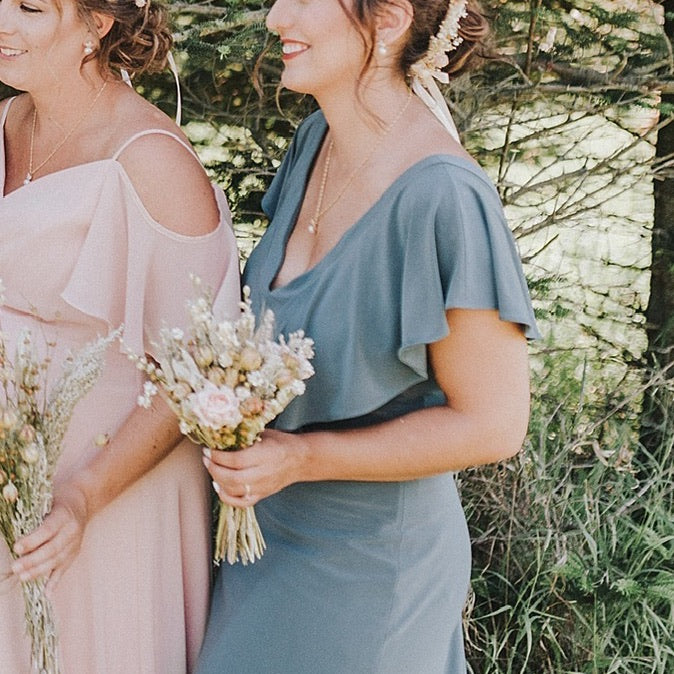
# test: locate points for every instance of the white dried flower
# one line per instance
(9, 419)
(242, 393)
(101, 439)
(256, 379)
(30, 453)
(10, 493)
(549, 41)
(27, 434)
(204, 356)
(149, 391)
(250, 358)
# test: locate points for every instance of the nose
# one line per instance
(276, 17)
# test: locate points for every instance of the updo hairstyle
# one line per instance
(139, 40)
(428, 15)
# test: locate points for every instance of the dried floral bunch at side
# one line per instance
(226, 380)
(33, 422)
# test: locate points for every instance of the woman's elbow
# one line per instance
(506, 432)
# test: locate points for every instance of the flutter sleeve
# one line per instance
(461, 255)
(131, 271)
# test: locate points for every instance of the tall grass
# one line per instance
(573, 540)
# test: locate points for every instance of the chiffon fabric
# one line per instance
(79, 255)
(367, 577)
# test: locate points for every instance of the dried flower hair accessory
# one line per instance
(427, 69)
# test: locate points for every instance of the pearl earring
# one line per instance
(88, 47)
(382, 49)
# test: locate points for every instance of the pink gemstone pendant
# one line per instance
(312, 227)
(27, 179)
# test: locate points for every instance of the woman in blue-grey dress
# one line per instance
(388, 246)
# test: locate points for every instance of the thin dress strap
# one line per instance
(148, 132)
(5, 112)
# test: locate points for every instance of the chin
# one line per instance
(13, 82)
(297, 84)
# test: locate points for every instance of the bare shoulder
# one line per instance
(426, 137)
(167, 176)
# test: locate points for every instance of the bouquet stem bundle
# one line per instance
(41, 626)
(226, 380)
(32, 426)
(238, 535)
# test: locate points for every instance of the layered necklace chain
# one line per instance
(320, 211)
(32, 170)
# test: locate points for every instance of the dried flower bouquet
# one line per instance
(226, 380)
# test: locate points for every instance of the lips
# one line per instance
(292, 48)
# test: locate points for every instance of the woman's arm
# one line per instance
(177, 193)
(482, 368)
(146, 437)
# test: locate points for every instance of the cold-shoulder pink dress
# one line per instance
(79, 255)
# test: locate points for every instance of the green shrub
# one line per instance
(573, 539)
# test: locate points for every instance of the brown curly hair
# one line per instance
(139, 40)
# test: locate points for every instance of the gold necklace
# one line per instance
(319, 212)
(32, 170)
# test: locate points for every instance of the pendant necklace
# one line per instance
(32, 170)
(319, 211)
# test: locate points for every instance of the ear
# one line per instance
(102, 23)
(393, 21)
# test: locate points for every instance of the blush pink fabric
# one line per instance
(79, 255)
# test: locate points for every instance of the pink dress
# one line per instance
(79, 254)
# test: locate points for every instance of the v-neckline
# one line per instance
(286, 233)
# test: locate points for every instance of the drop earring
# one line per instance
(382, 49)
(88, 47)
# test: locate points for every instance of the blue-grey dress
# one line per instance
(365, 577)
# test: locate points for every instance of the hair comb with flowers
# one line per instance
(427, 69)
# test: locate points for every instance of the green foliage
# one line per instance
(666, 109)
(574, 538)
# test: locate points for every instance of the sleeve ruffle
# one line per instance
(464, 257)
(131, 271)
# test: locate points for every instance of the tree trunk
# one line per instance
(660, 312)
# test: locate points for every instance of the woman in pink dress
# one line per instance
(104, 213)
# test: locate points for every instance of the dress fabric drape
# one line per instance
(79, 255)
(358, 577)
